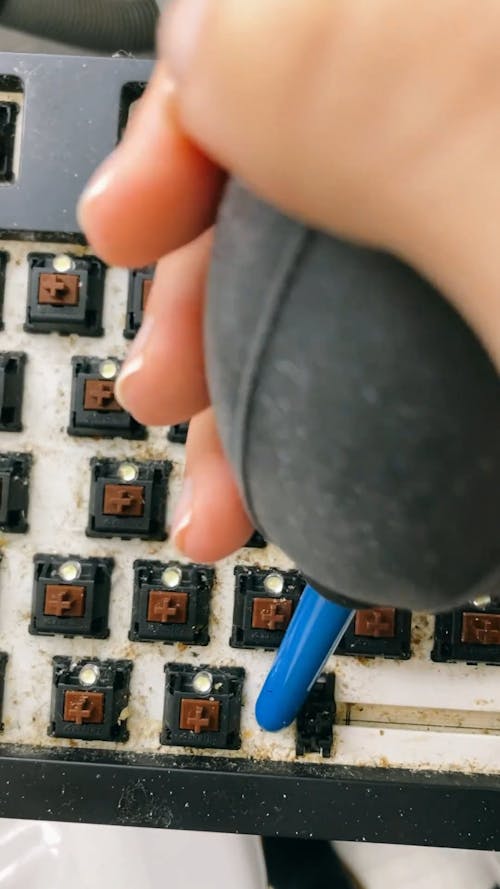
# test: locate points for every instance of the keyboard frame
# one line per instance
(454, 809)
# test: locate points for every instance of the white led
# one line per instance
(128, 472)
(88, 675)
(203, 682)
(69, 570)
(172, 577)
(63, 263)
(482, 601)
(274, 583)
(108, 369)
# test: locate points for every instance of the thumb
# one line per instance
(262, 89)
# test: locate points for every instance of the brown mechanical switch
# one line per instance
(199, 715)
(271, 614)
(146, 290)
(167, 608)
(83, 707)
(379, 623)
(62, 600)
(58, 290)
(123, 500)
(100, 396)
(481, 629)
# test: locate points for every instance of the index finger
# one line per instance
(156, 191)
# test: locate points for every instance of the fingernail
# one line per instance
(183, 515)
(133, 363)
(183, 24)
(97, 185)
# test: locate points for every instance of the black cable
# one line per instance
(106, 25)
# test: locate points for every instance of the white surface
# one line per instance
(54, 856)
(439, 694)
(410, 867)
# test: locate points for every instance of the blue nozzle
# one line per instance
(314, 632)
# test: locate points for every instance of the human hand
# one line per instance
(370, 120)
